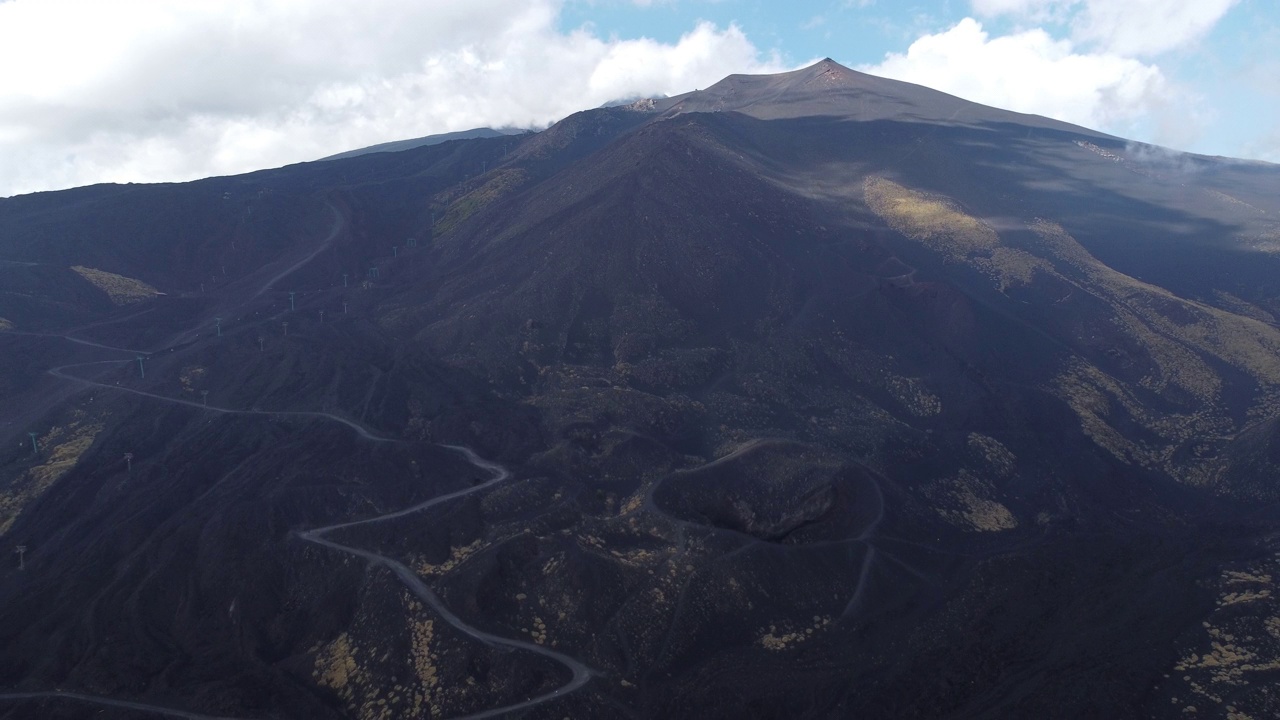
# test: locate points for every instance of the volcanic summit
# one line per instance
(811, 395)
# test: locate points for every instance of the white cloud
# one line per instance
(141, 90)
(1127, 27)
(1030, 71)
(1149, 27)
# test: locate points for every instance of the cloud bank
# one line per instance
(142, 90)
(1030, 71)
(1126, 27)
(152, 90)
(1089, 62)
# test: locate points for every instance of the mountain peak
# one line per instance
(832, 73)
(859, 363)
(828, 64)
(828, 89)
(825, 88)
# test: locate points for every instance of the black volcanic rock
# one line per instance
(824, 395)
(777, 492)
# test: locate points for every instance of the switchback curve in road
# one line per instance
(581, 674)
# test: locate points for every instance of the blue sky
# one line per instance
(799, 31)
(169, 90)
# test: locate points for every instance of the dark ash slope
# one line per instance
(825, 396)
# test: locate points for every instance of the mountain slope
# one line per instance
(823, 395)
(399, 145)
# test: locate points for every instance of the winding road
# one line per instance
(324, 244)
(360, 430)
(580, 673)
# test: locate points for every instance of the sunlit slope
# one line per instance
(822, 396)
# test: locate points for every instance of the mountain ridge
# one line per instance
(828, 88)
(813, 408)
(409, 144)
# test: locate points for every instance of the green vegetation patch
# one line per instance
(122, 290)
(1163, 320)
(60, 449)
(937, 222)
(499, 183)
(933, 220)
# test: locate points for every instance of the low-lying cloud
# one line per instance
(140, 90)
(150, 90)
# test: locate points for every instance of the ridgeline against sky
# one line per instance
(146, 90)
(806, 395)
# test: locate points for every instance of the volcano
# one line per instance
(811, 395)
